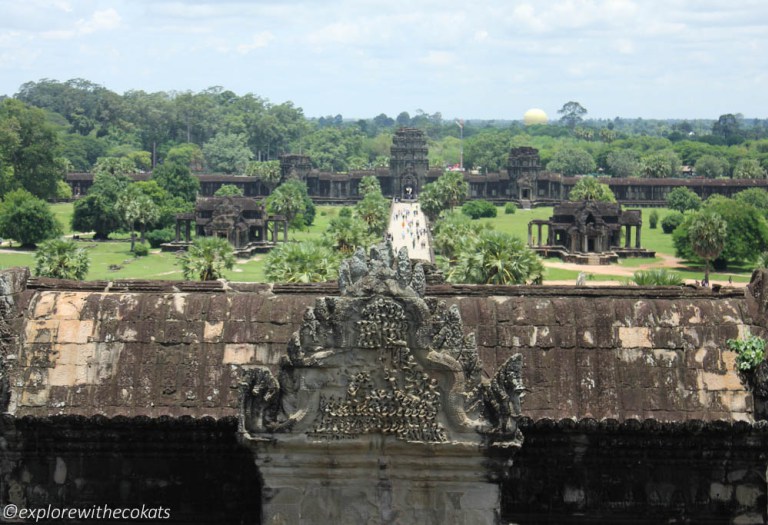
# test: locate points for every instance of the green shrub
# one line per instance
(141, 250)
(750, 351)
(671, 222)
(653, 219)
(510, 208)
(657, 277)
(478, 208)
(158, 237)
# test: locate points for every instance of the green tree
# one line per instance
(591, 189)
(452, 230)
(302, 262)
(623, 163)
(268, 172)
(369, 184)
(496, 258)
(449, 190)
(711, 167)
(207, 259)
(27, 219)
(347, 233)
(748, 169)
(572, 160)
(96, 211)
(662, 164)
(670, 223)
(177, 179)
(683, 199)
(747, 232)
(291, 200)
(572, 113)
(755, 197)
(61, 259)
(134, 207)
(229, 190)
(113, 166)
(228, 152)
(707, 233)
(488, 150)
(478, 208)
(728, 129)
(28, 148)
(189, 155)
(373, 211)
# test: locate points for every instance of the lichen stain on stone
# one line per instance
(238, 354)
(635, 337)
(669, 318)
(696, 317)
(180, 303)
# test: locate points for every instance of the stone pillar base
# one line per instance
(375, 480)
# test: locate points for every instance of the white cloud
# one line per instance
(257, 41)
(439, 58)
(105, 20)
(339, 33)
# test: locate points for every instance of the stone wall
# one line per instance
(628, 386)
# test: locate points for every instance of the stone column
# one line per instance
(626, 235)
(285, 231)
(178, 231)
(530, 235)
(374, 480)
(585, 243)
(187, 231)
(539, 225)
(637, 236)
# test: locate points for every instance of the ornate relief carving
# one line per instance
(380, 359)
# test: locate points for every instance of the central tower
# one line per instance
(408, 162)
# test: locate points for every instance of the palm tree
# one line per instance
(61, 259)
(707, 233)
(496, 258)
(591, 189)
(207, 259)
(347, 233)
(302, 262)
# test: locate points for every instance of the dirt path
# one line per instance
(621, 272)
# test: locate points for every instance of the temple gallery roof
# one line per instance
(153, 349)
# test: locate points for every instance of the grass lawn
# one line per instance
(63, 212)
(160, 265)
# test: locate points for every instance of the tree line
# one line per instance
(50, 127)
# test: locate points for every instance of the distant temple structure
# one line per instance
(243, 221)
(589, 232)
(523, 181)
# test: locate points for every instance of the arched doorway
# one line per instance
(409, 186)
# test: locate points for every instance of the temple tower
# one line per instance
(408, 162)
(523, 166)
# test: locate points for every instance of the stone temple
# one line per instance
(386, 398)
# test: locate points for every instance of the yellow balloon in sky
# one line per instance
(534, 116)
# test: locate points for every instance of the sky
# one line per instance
(472, 59)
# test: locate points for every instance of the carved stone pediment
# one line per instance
(383, 360)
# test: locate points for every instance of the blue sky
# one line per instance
(489, 59)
